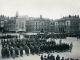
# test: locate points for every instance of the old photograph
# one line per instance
(39, 29)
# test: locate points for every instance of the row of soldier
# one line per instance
(16, 47)
(52, 57)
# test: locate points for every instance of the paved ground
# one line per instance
(74, 54)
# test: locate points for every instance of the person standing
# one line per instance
(57, 57)
(41, 57)
(27, 50)
(3, 52)
(13, 53)
(52, 57)
(21, 51)
(16, 51)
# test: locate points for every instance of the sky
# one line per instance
(53, 9)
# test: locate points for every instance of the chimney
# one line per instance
(40, 16)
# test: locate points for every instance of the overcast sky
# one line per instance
(52, 9)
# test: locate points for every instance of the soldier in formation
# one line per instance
(15, 47)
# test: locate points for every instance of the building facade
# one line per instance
(38, 25)
(3, 19)
(69, 24)
(52, 25)
(21, 23)
(11, 27)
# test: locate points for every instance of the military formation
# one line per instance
(15, 47)
(52, 57)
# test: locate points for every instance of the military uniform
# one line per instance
(16, 51)
(7, 52)
(21, 51)
(13, 54)
(27, 50)
(11, 51)
(3, 52)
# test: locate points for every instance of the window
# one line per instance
(2, 23)
(42, 23)
(67, 23)
(36, 23)
(56, 23)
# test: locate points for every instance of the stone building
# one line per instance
(11, 24)
(52, 26)
(21, 23)
(36, 25)
(69, 24)
(3, 20)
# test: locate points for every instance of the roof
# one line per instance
(23, 16)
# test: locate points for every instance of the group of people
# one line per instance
(15, 47)
(52, 57)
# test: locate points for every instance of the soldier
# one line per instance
(60, 41)
(38, 49)
(70, 47)
(14, 44)
(41, 48)
(3, 43)
(7, 41)
(27, 50)
(32, 49)
(21, 51)
(11, 51)
(16, 51)
(7, 52)
(3, 52)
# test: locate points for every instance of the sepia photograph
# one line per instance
(39, 29)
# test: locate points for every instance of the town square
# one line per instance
(39, 30)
